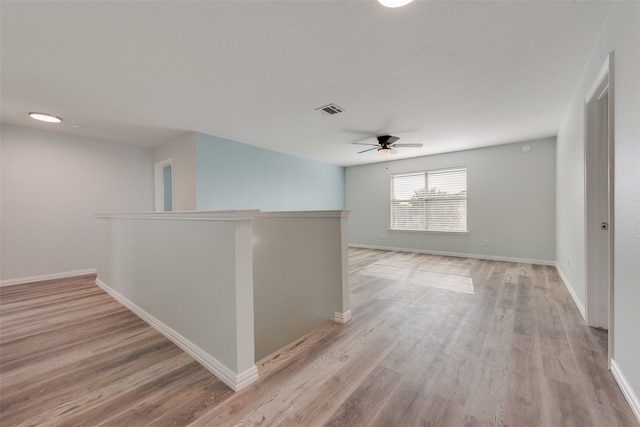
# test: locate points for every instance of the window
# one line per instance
(430, 201)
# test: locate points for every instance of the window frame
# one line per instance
(429, 198)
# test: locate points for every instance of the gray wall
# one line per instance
(621, 34)
(511, 203)
(52, 184)
(299, 275)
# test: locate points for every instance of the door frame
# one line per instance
(602, 87)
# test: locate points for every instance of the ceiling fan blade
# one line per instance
(392, 139)
(368, 149)
(407, 145)
(393, 151)
(362, 143)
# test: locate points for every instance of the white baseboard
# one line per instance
(456, 254)
(342, 317)
(572, 292)
(43, 277)
(627, 391)
(236, 381)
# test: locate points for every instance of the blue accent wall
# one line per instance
(232, 175)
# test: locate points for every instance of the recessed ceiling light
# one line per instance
(50, 118)
(394, 3)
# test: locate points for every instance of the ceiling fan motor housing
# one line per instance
(387, 139)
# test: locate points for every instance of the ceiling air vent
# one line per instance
(330, 109)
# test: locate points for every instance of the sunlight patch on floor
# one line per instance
(387, 272)
(447, 268)
(452, 282)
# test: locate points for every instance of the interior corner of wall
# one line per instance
(572, 291)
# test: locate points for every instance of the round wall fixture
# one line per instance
(44, 117)
(525, 148)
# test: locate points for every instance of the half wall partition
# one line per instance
(228, 287)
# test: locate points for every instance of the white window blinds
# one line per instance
(430, 200)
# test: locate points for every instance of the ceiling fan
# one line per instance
(386, 145)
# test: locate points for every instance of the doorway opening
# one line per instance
(163, 172)
(599, 144)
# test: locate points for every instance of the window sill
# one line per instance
(458, 233)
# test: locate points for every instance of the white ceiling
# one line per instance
(450, 74)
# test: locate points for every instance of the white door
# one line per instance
(598, 227)
(599, 188)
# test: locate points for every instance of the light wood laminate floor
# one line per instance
(434, 341)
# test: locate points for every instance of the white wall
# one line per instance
(621, 34)
(511, 203)
(52, 184)
(183, 152)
